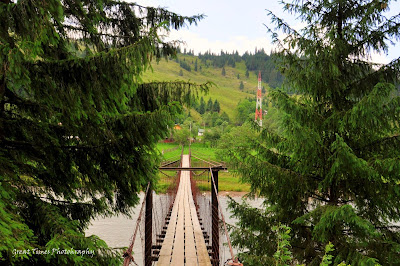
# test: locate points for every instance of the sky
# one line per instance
(234, 25)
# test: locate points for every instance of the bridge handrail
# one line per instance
(170, 149)
(213, 163)
(234, 260)
(208, 157)
(128, 253)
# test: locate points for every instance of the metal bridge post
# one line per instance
(215, 221)
(148, 228)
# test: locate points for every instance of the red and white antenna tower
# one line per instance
(258, 116)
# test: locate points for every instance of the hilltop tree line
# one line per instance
(222, 59)
(259, 61)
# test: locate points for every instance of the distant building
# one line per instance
(201, 132)
(171, 139)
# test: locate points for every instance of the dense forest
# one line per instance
(257, 61)
(78, 127)
(327, 161)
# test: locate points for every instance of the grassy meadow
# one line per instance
(226, 180)
(226, 88)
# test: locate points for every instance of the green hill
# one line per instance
(226, 91)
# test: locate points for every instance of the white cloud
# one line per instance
(380, 58)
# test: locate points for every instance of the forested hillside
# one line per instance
(234, 76)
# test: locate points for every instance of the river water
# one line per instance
(117, 231)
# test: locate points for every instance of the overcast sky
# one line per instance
(232, 25)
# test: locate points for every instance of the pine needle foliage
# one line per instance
(78, 126)
(329, 165)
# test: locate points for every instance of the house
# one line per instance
(201, 132)
(171, 139)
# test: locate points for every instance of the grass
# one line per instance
(226, 90)
(203, 151)
(229, 182)
(172, 151)
(226, 180)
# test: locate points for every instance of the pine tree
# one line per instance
(209, 106)
(223, 72)
(241, 86)
(77, 126)
(247, 73)
(329, 166)
(202, 107)
(216, 107)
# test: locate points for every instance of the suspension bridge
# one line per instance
(185, 225)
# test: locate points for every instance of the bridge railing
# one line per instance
(209, 209)
(156, 210)
(151, 225)
(128, 255)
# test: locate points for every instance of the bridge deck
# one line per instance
(184, 242)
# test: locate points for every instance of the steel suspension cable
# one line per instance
(234, 259)
(128, 253)
(208, 162)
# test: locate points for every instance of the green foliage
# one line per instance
(223, 72)
(78, 125)
(212, 136)
(327, 259)
(282, 256)
(226, 89)
(244, 111)
(185, 65)
(209, 106)
(216, 107)
(241, 86)
(260, 61)
(202, 107)
(328, 163)
(181, 136)
(222, 59)
(237, 139)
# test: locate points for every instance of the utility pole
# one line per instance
(258, 115)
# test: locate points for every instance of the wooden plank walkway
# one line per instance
(184, 242)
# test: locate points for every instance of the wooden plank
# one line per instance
(178, 253)
(184, 239)
(190, 244)
(201, 248)
(202, 253)
(166, 248)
